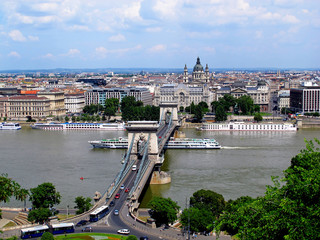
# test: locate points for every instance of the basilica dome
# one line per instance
(198, 67)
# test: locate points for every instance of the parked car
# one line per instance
(87, 229)
(124, 231)
(81, 223)
(117, 196)
(116, 212)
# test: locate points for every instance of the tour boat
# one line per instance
(173, 143)
(243, 126)
(78, 126)
(9, 126)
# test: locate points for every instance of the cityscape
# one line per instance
(159, 119)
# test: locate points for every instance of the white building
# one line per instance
(74, 103)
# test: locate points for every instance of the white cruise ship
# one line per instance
(243, 126)
(78, 126)
(173, 143)
(10, 126)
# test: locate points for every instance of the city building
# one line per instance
(57, 107)
(283, 99)
(182, 94)
(259, 93)
(24, 107)
(99, 95)
(199, 76)
(305, 99)
(74, 103)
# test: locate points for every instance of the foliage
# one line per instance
(164, 210)
(209, 200)
(220, 114)
(44, 196)
(10, 188)
(66, 119)
(285, 110)
(133, 110)
(198, 113)
(47, 236)
(111, 107)
(245, 104)
(199, 219)
(39, 215)
(257, 117)
(93, 108)
(290, 208)
(82, 204)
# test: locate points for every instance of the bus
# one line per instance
(59, 228)
(34, 231)
(99, 213)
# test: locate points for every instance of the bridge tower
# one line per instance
(139, 131)
(171, 108)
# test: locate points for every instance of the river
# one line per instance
(243, 166)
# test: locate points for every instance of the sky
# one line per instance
(49, 34)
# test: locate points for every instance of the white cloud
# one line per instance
(17, 36)
(157, 48)
(71, 53)
(48, 56)
(258, 34)
(101, 52)
(14, 54)
(117, 38)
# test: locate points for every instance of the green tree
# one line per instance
(200, 220)
(47, 236)
(66, 119)
(39, 215)
(164, 210)
(10, 188)
(257, 117)
(111, 107)
(209, 200)
(245, 104)
(204, 106)
(73, 118)
(181, 108)
(227, 101)
(221, 115)
(198, 113)
(44, 196)
(82, 204)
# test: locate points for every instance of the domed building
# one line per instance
(198, 75)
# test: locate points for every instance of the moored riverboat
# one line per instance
(78, 126)
(244, 126)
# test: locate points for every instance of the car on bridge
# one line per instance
(124, 231)
(111, 204)
(127, 190)
(134, 167)
(121, 187)
(116, 212)
(117, 196)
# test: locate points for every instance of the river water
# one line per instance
(243, 166)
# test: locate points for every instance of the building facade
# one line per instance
(305, 100)
(74, 103)
(260, 93)
(182, 94)
(99, 95)
(57, 107)
(24, 107)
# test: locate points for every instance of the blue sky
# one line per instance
(49, 34)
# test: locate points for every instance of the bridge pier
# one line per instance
(169, 107)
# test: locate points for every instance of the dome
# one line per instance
(198, 67)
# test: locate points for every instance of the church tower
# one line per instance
(185, 74)
(207, 73)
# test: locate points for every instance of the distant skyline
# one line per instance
(95, 34)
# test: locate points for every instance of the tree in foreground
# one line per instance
(82, 204)
(290, 208)
(40, 215)
(257, 117)
(47, 236)
(164, 210)
(10, 188)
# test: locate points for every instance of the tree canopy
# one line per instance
(82, 204)
(164, 210)
(44, 196)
